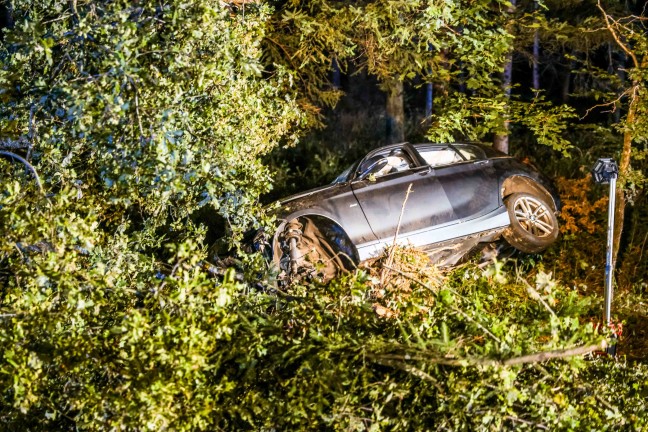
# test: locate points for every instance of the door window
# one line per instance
(439, 156)
(470, 153)
(386, 163)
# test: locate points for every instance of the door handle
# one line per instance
(425, 171)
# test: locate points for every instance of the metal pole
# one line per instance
(609, 265)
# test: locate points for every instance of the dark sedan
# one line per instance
(460, 195)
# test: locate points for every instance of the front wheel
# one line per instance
(311, 248)
(534, 226)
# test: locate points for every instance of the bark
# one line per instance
(395, 112)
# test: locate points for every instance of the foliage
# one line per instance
(578, 212)
(184, 352)
(150, 110)
(133, 116)
(403, 40)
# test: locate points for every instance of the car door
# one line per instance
(381, 195)
(467, 177)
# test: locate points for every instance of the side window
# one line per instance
(385, 163)
(438, 156)
(471, 153)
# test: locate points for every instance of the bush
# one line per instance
(466, 351)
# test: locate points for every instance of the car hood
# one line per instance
(307, 194)
(309, 199)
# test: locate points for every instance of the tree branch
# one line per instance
(514, 361)
(29, 166)
(555, 354)
(608, 21)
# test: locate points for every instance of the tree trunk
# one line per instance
(624, 164)
(536, 66)
(501, 140)
(638, 85)
(335, 74)
(536, 54)
(566, 84)
(429, 99)
(395, 112)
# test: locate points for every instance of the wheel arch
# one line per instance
(326, 225)
(519, 183)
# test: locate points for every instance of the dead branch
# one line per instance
(526, 422)
(612, 104)
(514, 361)
(390, 258)
(555, 354)
(21, 143)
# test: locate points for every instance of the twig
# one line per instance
(31, 132)
(137, 112)
(386, 361)
(555, 354)
(390, 258)
(62, 17)
(530, 423)
(488, 332)
(535, 295)
(613, 104)
(604, 402)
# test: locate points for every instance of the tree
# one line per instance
(629, 34)
(394, 42)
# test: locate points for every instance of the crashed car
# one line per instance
(460, 196)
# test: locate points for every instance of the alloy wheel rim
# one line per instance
(533, 216)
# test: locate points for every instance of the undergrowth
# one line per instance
(401, 346)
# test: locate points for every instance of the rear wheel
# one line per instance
(534, 226)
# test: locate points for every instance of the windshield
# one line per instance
(345, 174)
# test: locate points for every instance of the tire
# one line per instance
(534, 226)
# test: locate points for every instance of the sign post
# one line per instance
(606, 171)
